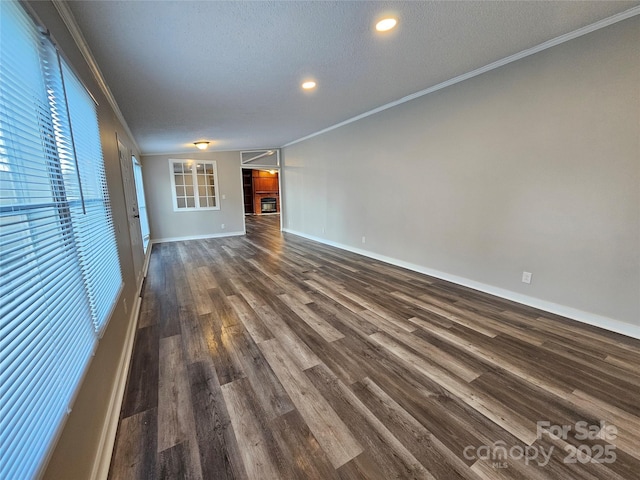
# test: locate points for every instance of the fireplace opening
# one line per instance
(268, 205)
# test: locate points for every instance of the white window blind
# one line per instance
(59, 268)
(93, 227)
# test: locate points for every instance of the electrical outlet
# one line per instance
(322, 229)
(224, 197)
(222, 226)
(364, 239)
(526, 277)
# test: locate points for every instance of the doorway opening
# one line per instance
(261, 186)
(261, 191)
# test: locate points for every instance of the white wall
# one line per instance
(533, 166)
(167, 224)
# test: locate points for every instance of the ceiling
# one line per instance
(230, 72)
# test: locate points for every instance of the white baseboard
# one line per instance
(102, 461)
(606, 323)
(196, 237)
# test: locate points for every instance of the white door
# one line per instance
(142, 204)
(133, 215)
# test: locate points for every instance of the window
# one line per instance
(194, 185)
(59, 268)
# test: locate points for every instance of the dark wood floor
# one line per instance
(270, 356)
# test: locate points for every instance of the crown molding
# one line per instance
(76, 33)
(618, 17)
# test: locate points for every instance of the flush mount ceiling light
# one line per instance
(386, 24)
(201, 145)
(309, 85)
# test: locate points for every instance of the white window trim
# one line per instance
(174, 197)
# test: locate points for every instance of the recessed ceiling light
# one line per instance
(309, 85)
(386, 24)
(201, 145)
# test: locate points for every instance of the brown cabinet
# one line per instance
(266, 184)
(247, 190)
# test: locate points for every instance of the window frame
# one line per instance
(195, 184)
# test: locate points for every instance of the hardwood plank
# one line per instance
(425, 447)
(221, 312)
(292, 289)
(129, 460)
(174, 462)
(517, 365)
(377, 362)
(446, 355)
(389, 325)
(341, 362)
(330, 431)
(363, 466)
(227, 365)
(303, 356)
(574, 375)
(198, 288)
(372, 434)
(335, 296)
(301, 449)
(254, 439)
(256, 328)
(270, 395)
(142, 384)
(193, 336)
(453, 428)
(358, 293)
(341, 318)
(299, 351)
(152, 286)
(628, 425)
(220, 456)
(432, 353)
(220, 270)
(597, 339)
(205, 276)
(173, 273)
(445, 312)
(324, 329)
(176, 423)
(493, 409)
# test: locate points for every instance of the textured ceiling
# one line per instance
(230, 72)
